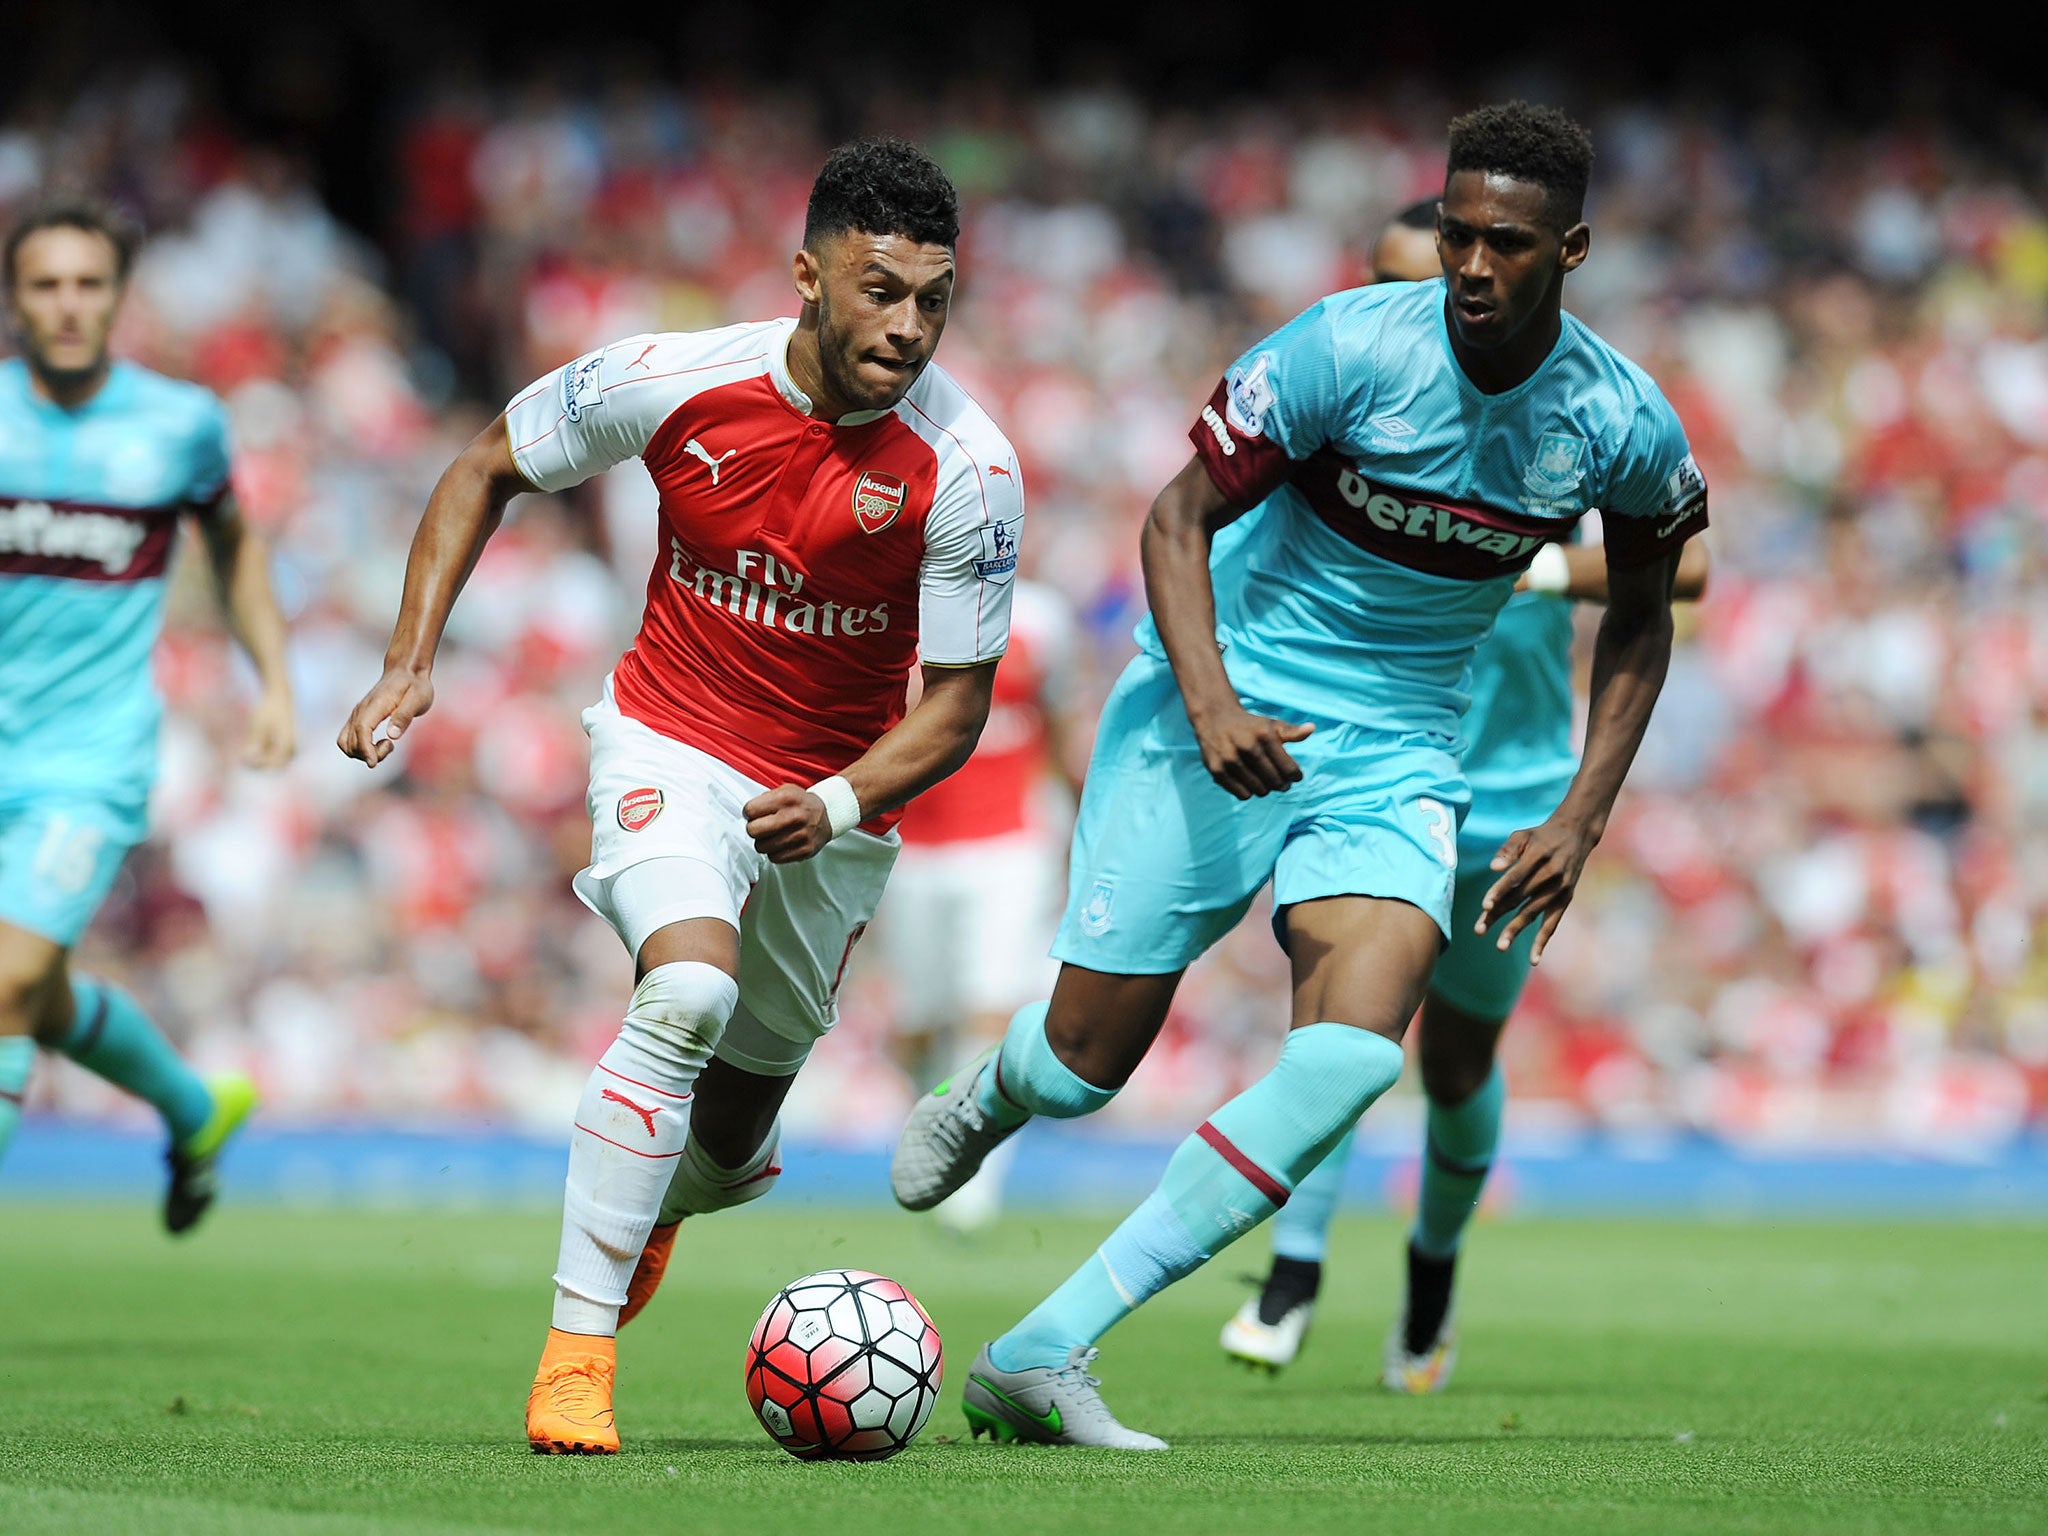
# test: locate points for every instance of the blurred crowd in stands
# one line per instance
(1813, 920)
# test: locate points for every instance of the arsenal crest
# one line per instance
(876, 500)
(637, 807)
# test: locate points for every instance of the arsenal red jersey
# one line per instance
(805, 565)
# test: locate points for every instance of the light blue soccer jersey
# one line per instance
(1518, 731)
(1396, 502)
(89, 507)
(1389, 506)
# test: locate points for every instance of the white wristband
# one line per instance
(842, 805)
(1550, 571)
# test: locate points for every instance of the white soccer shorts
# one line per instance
(969, 927)
(653, 798)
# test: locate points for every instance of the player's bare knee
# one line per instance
(34, 999)
(1092, 1054)
(1457, 1052)
(679, 1010)
(1451, 1078)
(1101, 1027)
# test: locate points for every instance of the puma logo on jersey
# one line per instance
(997, 469)
(641, 360)
(612, 1095)
(697, 450)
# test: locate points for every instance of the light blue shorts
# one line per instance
(1166, 861)
(1473, 976)
(59, 855)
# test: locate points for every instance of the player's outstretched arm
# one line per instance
(1579, 572)
(1245, 753)
(240, 557)
(465, 509)
(931, 741)
(1540, 867)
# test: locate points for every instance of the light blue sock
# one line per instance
(1025, 1078)
(110, 1035)
(1457, 1151)
(1301, 1227)
(1222, 1181)
(17, 1059)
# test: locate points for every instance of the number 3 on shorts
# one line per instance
(68, 856)
(1442, 829)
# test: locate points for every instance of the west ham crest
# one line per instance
(1558, 467)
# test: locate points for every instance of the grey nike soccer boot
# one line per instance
(944, 1140)
(1048, 1406)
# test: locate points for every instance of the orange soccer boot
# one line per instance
(661, 1242)
(569, 1410)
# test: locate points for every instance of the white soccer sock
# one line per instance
(630, 1128)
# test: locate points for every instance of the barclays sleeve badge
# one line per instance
(998, 561)
(580, 391)
(1250, 395)
(1685, 486)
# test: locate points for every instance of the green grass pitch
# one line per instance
(306, 1374)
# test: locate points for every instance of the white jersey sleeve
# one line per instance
(605, 407)
(971, 556)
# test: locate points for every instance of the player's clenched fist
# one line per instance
(788, 824)
(1247, 753)
(1540, 872)
(400, 697)
(272, 731)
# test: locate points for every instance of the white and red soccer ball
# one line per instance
(845, 1366)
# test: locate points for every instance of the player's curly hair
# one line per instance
(72, 210)
(1530, 143)
(883, 186)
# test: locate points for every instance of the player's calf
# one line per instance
(954, 1128)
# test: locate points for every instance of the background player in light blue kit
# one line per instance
(99, 460)
(1518, 762)
(1404, 449)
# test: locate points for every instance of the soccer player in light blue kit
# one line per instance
(1519, 762)
(1296, 711)
(99, 460)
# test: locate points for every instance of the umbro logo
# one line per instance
(1391, 426)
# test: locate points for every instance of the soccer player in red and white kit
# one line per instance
(833, 511)
(976, 894)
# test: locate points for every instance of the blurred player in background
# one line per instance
(1403, 451)
(1519, 762)
(833, 511)
(99, 460)
(976, 890)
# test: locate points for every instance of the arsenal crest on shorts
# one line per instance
(637, 807)
(876, 500)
